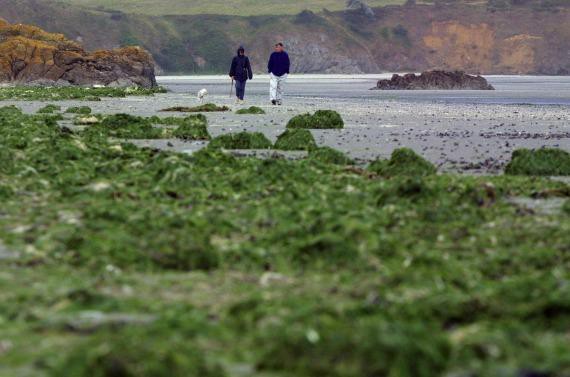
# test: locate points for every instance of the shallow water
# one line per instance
(535, 90)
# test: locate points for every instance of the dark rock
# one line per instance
(435, 80)
(29, 55)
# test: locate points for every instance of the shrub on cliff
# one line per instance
(296, 140)
(403, 161)
(541, 162)
(321, 119)
(241, 140)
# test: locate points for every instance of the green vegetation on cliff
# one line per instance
(226, 7)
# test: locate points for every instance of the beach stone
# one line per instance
(32, 56)
(435, 80)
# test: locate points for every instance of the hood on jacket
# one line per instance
(240, 49)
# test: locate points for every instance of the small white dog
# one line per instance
(203, 93)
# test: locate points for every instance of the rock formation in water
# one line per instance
(31, 56)
(435, 80)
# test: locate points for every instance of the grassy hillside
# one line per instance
(229, 7)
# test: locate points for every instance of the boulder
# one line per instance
(435, 80)
(31, 56)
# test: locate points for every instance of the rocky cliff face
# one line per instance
(29, 55)
(474, 38)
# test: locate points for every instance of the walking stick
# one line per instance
(232, 88)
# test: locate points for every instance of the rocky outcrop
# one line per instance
(29, 55)
(435, 80)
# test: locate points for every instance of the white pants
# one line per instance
(276, 84)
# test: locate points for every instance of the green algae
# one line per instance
(71, 93)
(330, 156)
(321, 119)
(125, 126)
(269, 267)
(404, 162)
(174, 121)
(374, 348)
(81, 110)
(241, 140)
(193, 128)
(566, 207)
(141, 353)
(205, 108)
(251, 110)
(49, 109)
(540, 162)
(10, 111)
(296, 140)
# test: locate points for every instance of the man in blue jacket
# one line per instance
(278, 68)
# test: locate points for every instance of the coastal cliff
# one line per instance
(467, 36)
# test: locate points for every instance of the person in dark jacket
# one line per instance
(240, 71)
(278, 68)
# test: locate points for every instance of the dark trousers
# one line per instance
(240, 89)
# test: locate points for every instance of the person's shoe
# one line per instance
(273, 102)
(279, 103)
(242, 102)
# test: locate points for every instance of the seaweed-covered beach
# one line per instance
(402, 237)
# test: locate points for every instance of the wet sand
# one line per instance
(466, 131)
